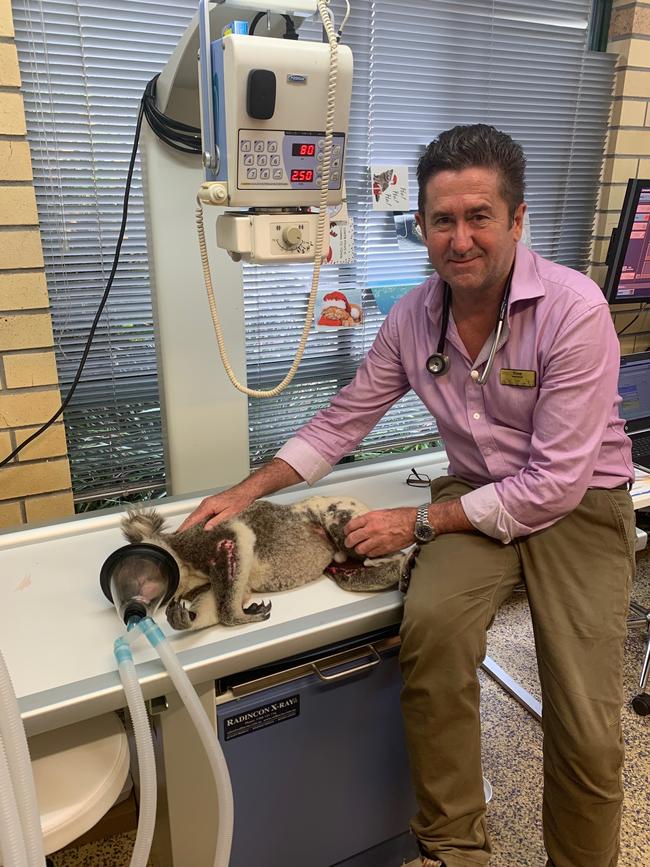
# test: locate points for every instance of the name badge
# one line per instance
(519, 378)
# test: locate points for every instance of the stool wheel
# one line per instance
(641, 703)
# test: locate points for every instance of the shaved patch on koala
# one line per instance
(266, 548)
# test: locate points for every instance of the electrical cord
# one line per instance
(642, 309)
(339, 32)
(102, 303)
(323, 218)
(289, 33)
(178, 135)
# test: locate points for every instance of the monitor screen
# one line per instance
(634, 389)
(628, 275)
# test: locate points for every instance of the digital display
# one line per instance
(303, 149)
(302, 176)
(628, 258)
(635, 273)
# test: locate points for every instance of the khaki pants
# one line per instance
(577, 574)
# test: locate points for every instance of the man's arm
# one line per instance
(270, 478)
(387, 530)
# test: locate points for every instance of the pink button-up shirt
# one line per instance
(533, 451)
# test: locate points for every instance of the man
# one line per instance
(537, 491)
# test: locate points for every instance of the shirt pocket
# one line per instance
(513, 405)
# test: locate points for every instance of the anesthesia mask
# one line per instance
(138, 578)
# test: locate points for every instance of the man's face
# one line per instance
(467, 228)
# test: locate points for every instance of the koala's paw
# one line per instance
(407, 567)
(178, 616)
(259, 610)
(253, 613)
(195, 610)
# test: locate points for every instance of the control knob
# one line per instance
(291, 236)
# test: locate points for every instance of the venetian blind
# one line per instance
(84, 66)
(420, 68)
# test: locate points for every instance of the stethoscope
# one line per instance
(438, 363)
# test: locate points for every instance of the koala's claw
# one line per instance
(178, 615)
(259, 609)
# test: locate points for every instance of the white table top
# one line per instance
(58, 628)
(641, 490)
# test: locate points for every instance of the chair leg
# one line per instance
(641, 702)
(645, 670)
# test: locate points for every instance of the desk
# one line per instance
(58, 633)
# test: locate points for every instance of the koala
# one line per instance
(266, 548)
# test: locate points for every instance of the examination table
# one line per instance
(57, 638)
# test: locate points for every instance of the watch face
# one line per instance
(424, 533)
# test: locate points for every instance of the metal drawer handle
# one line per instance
(368, 650)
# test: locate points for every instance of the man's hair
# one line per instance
(471, 146)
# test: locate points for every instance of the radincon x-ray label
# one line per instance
(249, 721)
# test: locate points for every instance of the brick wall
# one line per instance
(36, 485)
(627, 150)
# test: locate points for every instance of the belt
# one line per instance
(626, 486)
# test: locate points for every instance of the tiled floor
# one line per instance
(512, 755)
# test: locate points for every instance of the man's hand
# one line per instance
(387, 530)
(381, 532)
(274, 476)
(217, 508)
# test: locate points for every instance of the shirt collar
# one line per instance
(526, 283)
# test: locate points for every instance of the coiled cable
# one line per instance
(180, 136)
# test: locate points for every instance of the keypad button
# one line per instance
(249, 159)
(336, 150)
(275, 161)
(262, 160)
(251, 174)
(245, 145)
(258, 146)
(272, 147)
(277, 174)
(320, 157)
(336, 164)
(265, 174)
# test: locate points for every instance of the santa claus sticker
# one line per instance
(335, 309)
(390, 188)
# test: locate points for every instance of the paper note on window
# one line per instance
(389, 188)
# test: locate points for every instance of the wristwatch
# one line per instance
(423, 530)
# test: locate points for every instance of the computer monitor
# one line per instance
(634, 389)
(628, 258)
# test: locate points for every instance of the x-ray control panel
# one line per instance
(284, 160)
(264, 118)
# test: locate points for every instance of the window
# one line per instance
(84, 66)
(419, 68)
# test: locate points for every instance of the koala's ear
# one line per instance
(139, 525)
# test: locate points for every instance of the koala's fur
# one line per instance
(268, 547)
